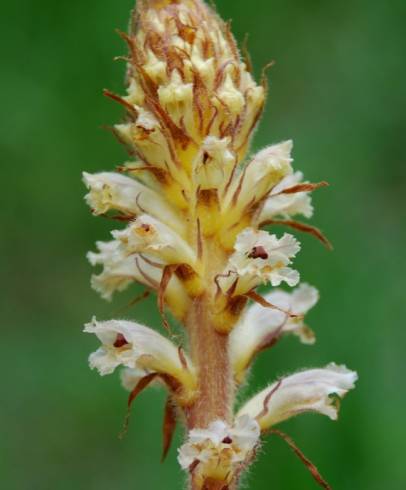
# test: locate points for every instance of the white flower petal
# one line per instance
(268, 167)
(118, 270)
(110, 190)
(306, 391)
(121, 269)
(219, 448)
(215, 433)
(149, 235)
(259, 326)
(137, 347)
(245, 433)
(287, 205)
(284, 274)
(130, 377)
(260, 258)
(303, 298)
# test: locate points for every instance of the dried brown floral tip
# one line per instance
(306, 461)
(169, 426)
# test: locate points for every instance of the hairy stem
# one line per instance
(209, 351)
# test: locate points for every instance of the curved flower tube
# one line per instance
(307, 391)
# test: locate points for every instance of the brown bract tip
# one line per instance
(169, 426)
(310, 466)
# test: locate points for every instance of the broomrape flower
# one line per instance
(142, 350)
(220, 450)
(287, 205)
(195, 218)
(306, 391)
(260, 258)
(260, 328)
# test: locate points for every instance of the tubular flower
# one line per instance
(111, 191)
(306, 391)
(260, 258)
(285, 205)
(260, 328)
(191, 207)
(218, 451)
(140, 348)
(149, 235)
(120, 269)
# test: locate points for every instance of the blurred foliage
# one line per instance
(337, 89)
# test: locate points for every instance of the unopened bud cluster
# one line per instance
(194, 208)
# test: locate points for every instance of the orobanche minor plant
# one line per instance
(194, 211)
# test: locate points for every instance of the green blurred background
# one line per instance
(337, 89)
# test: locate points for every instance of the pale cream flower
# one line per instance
(147, 136)
(135, 346)
(260, 258)
(149, 235)
(214, 163)
(268, 167)
(259, 326)
(130, 377)
(113, 191)
(108, 190)
(120, 270)
(216, 451)
(307, 391)
(287, 205)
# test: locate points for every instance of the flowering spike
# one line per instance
(189, 207)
